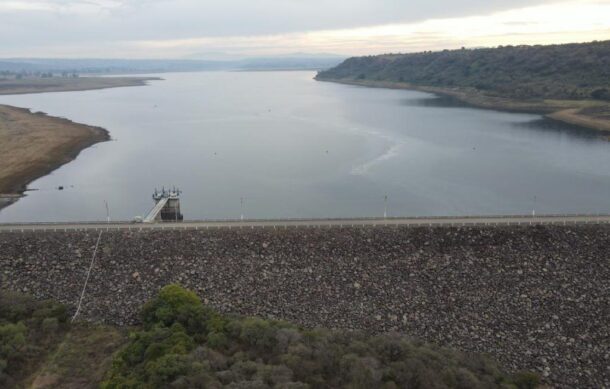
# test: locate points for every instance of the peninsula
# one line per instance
(34, 144)
(569, 82)
(15, 86)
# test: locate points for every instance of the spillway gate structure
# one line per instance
(167, 206)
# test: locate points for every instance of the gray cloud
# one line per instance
(37, 24)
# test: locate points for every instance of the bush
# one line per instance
(50, 325)
(12, 340)
(217, 341)
(29, 329)
(526, 380)
(185, 345)
(174, 305)
(601, 94)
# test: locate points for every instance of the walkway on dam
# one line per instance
(317, 223)
(154, 213)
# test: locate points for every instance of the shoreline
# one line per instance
(566, 111)
(33, 145)
(80, 84)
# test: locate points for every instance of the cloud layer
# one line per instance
(180, 28)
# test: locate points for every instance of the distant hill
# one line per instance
(130, 66)
(292, 62)
(569, 71)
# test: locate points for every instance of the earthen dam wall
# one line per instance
(532, 297)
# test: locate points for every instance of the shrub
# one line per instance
(237, 352)
(601, 94)
(12, 340)
(50, 325)
(29, 329)
(175, 305)
(217, 341)
(526, 380)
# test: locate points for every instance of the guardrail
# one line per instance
(325, 220)
(418, 221)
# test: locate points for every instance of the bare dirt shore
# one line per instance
(65, 84)
(591, 114)
(34, 144)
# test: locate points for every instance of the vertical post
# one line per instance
(107, 212)
(385, 207)
(534, 208)
(241, 201)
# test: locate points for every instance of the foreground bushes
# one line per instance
(184, 344)
(28, 330)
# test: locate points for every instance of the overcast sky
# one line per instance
(236, 28)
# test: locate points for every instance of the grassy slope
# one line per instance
(39, 348)
(81, 359)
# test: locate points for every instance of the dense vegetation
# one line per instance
(183, 344)
(28, 330)
(569, 71)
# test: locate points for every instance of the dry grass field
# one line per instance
(34, 144)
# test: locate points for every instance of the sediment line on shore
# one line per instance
(569, 112)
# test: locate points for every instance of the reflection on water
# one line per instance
(438, 101)
(556, 126)
(538, 124)
(293, 147)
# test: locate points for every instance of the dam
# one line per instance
(532, 296)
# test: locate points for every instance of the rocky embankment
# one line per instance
(532, 297)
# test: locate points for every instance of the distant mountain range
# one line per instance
(123, 66)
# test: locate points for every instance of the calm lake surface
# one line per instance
(293, 147)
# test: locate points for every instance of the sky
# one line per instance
(255, 28)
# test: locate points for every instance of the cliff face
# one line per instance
(533, 297)
(570, 71)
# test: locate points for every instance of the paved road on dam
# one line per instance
(317, 223)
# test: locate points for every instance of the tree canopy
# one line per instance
(184, 344)
(568, 71)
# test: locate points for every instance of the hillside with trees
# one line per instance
(568, 71)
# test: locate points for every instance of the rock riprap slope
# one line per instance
(532, 297)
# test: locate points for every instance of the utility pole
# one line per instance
(534, 209)
(107, 212)
(385, 207)
(241, 200)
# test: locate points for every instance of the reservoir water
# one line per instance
(292, 147)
